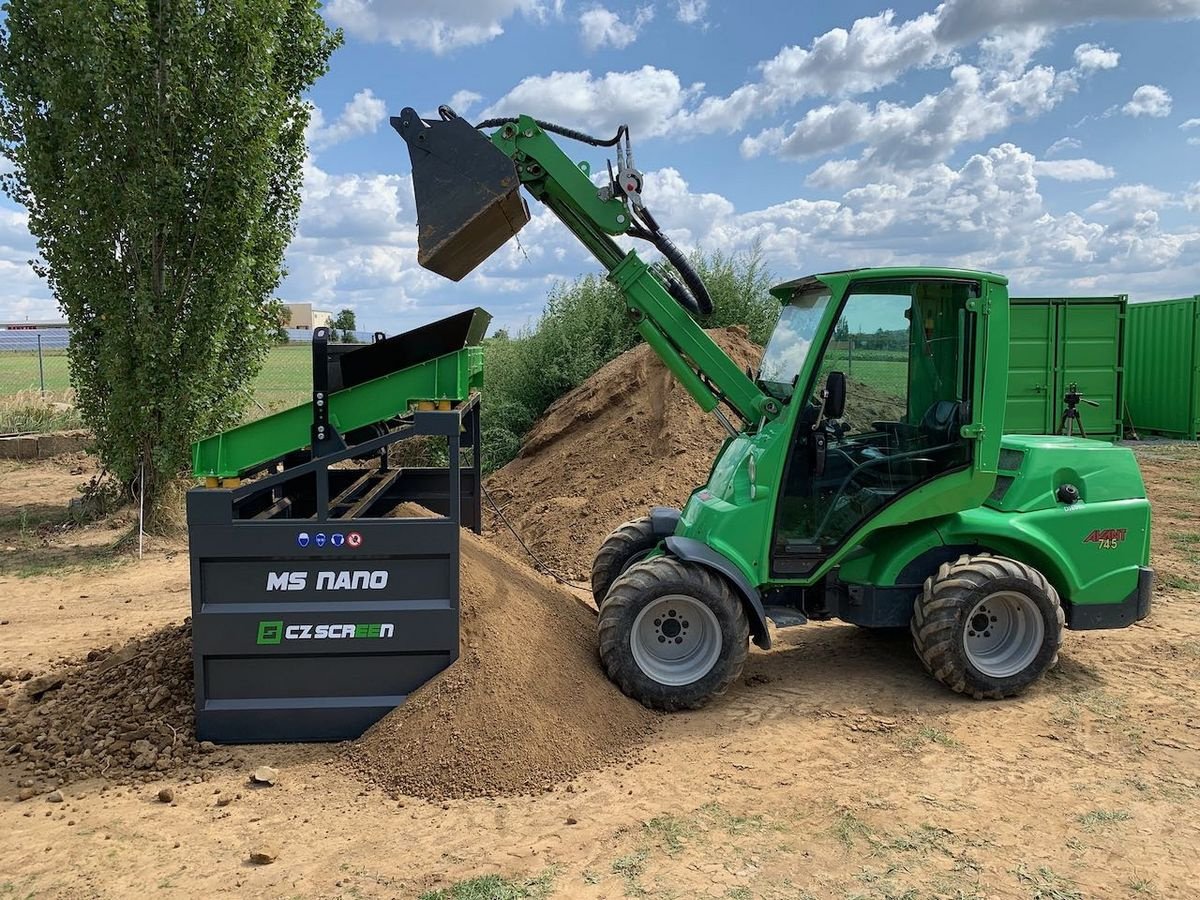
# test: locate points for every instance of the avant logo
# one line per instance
(1107, 538)
(275, 632)
(328, 581)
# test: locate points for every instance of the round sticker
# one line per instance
(354, 539)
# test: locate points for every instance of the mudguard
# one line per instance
(664, 520)
(698, 552)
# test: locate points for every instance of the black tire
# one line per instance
(620, 550)
(940, 626)
(646, 583)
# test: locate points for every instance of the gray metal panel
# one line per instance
(297, 642)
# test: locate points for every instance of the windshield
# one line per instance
(791, 341)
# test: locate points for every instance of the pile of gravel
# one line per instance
(125, 714)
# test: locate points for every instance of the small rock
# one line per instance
(571, 820)
(54, 797)
(37, 687)
(166, 795)
(125, 654)
(3, 704)
(263, 855)
(208, 747)
(264, 775)
(224, 799)
(26, 793)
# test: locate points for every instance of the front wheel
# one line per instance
(672, 634)
(628, 544)
(987, 626)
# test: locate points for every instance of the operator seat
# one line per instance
(940, 432)
(942, 420)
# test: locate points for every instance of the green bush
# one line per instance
(585, 325)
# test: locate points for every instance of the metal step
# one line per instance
(785, 616)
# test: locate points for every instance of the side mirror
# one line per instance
(835, 395)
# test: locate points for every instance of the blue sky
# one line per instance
(1057, 142)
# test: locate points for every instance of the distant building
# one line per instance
(30, 326)
(304, 316)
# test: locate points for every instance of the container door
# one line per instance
(1090, 357)
(1162, 388)
(1031, 405)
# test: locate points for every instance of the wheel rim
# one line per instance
(1003, 634)
(676, 639)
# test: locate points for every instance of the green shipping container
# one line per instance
(1059, 341)
(1162, 390)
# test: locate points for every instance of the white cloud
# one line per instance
(437, 25)
(357, 239)
(1148, 100)
(1128, 201)
(988, 213)
(462, 102)
(646, 99)
(961, 21)
(1090, 57)
(1191, 199)
(25, 297)
(898, 136)
(1189, 124)
(1011, 51)
(600, 27)
(691, 12)
(361, 115)
(1063, 144)
(1072, 169)
(872, 53)
(877, 50)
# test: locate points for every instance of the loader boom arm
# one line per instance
(593, 215)
(703, 368)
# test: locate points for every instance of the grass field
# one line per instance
(285, 377)
(884, 370)
(284, 380)
(19, 372)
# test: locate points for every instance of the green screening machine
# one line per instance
(320, 598)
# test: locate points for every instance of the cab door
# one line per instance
(906, 348)
(1031, 377)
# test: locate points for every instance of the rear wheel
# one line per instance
(672, 634)
(629, 544)
(987, 626)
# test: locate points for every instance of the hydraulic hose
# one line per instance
(570, 133)
(695, 287)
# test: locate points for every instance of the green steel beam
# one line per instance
(229, 454)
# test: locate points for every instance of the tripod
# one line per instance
(1070, 416)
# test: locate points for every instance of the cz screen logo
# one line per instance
(275, 632)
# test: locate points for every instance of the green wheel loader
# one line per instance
(866, 476)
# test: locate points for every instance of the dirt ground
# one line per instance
(835, 768)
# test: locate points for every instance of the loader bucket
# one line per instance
(467, 192)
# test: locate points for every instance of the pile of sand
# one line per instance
(628, 438)
(126, 714)
(525, 706)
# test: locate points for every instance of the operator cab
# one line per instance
(883, 402)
